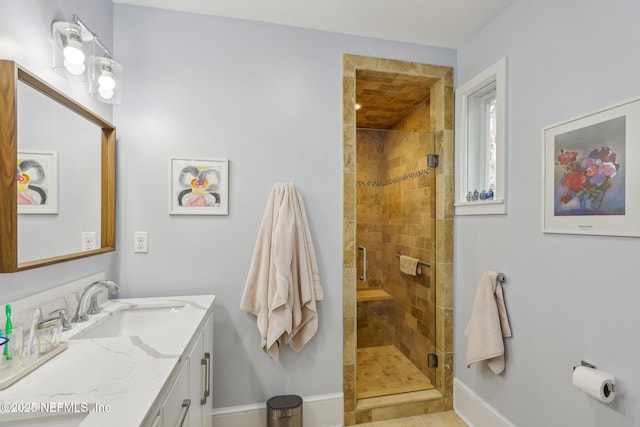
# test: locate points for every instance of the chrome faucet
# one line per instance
(62, 313)
(91, 292)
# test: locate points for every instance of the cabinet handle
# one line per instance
(184, 412)
(206, 362)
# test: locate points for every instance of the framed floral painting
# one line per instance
(590, 181)
(198, 186)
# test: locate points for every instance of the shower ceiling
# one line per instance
(385, 98)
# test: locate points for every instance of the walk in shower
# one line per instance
(397, 326)
(395, 213)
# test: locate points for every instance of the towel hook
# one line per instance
(501, 277)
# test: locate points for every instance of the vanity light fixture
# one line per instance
(73, 46)
(74, 56)
(105, 83)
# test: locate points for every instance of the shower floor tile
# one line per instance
(440, 419)
(384, 370)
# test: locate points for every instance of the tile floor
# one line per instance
(385, 370)
(440, 419)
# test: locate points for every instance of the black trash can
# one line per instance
(284, 411)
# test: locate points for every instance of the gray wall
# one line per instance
(569, 298)
(25, 37)
(268, 98)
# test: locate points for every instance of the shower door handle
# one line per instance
(363, 277)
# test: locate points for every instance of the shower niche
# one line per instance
(397, 326)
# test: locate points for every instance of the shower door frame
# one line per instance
(442, 113)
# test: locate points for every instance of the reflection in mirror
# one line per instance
(72, 188)
(57, 175)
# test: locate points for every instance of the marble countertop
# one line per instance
(119, 379)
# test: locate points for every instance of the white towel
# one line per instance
(283, 284)
(488, 324)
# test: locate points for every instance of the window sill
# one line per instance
(481, 207)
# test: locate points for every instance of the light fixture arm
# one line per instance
(78, 21)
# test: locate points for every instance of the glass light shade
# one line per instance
(72, 47)
(75, 69)
(105, 80)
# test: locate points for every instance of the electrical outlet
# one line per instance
(88, 240)
(141, 242)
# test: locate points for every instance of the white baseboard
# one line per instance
(474, 410)
(326, 410)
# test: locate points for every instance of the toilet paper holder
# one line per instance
(611, 387)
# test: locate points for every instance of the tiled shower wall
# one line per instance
(411, 231)
(370, 169)
(408, 229)
(395, 214)
(374, 318)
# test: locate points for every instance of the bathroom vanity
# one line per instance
(141, 362)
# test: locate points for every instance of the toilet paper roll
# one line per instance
(595, 383)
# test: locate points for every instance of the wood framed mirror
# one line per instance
(67, 162)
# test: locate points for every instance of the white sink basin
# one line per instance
(132, 322)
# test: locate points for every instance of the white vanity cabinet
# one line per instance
(155, 372)
(177, 405)
(188, 401)
(200, 377)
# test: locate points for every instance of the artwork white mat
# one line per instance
(198, 186)
(577, 198)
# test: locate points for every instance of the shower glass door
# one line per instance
(395, 215)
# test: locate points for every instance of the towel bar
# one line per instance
(419, 262)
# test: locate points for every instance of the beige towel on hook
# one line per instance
(409, 265)
(488, 324)
(283, 285)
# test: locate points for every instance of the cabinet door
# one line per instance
(178, 405)
(200, 377)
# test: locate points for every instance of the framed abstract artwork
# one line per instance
(37, 177)
(590, 182)
(198, 186)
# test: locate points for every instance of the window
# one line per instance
(481, 143)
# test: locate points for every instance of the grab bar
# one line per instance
(363, 277)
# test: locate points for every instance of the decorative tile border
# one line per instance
(411, 175)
